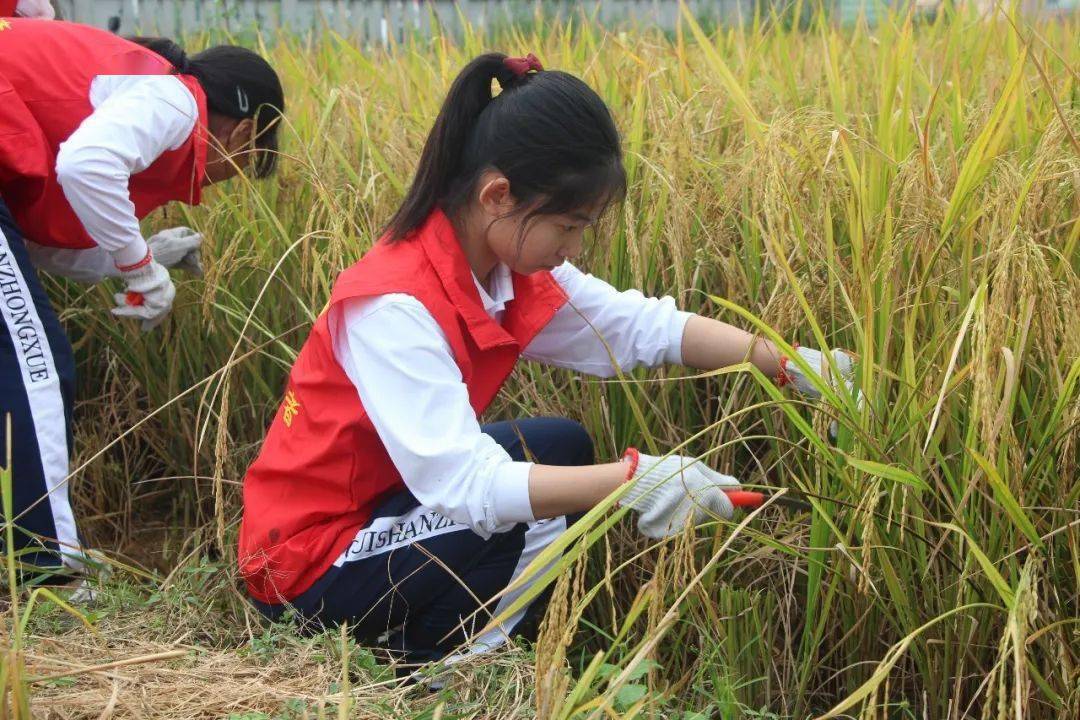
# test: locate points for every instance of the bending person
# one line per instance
(96, 132)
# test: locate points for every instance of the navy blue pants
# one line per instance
(37, 387)
(421, 576)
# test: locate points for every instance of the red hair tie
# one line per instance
(521, 65)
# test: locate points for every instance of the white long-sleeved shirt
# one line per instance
(404, 371)
(40, 9)
(136, 119)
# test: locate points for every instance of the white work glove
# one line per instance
(843, 362)
(41, 9)
(178, 247)
(149, 294)
(672, 492)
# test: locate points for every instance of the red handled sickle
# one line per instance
(750, 500)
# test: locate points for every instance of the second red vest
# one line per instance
(46, 69)
(322, 468)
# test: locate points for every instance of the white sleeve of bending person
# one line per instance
(404, 372)
(136, 119)
(638, 330)
(91, 265)
(40, 9)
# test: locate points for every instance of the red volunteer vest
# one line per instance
(7, 8)
(45, 73)
(322, 468)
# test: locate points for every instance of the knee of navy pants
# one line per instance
(423, 593)
(37, 387)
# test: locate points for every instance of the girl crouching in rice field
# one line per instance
(378, 499)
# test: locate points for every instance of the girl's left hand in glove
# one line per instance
(841, 368)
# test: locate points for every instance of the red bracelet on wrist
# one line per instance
(142, 263)
(633, 457)
(783, 377)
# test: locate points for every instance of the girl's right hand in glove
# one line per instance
(671, 492)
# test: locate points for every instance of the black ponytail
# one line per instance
(167, 49)
(548, 132)
(239, 84)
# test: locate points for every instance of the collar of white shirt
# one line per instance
(499, 292)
